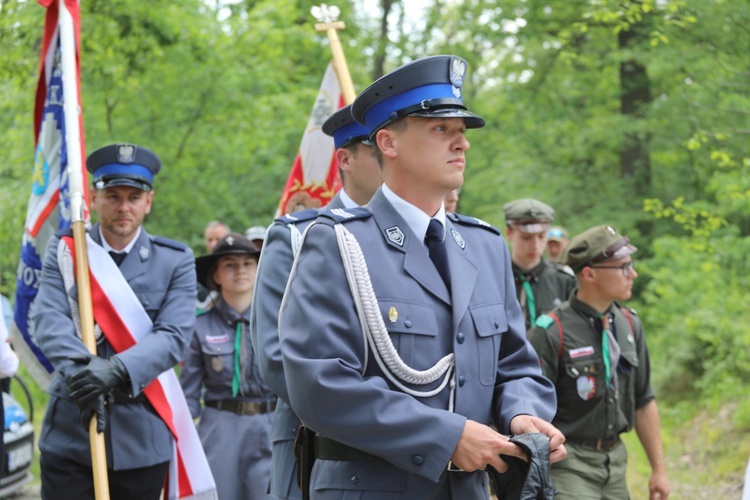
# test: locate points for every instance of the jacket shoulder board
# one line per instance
(564, 269)
(544, 321)
(166, 242)
(472, 221)
(68, 231)
(338, 215)
(301, 216)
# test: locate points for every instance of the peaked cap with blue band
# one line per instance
(123, 165)
(344, 129)
(429, 87)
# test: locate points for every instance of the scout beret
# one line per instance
(557, 233)
(428, 87)
(123, 165)
(595, 245)
(344, 129)
(528, 215)
(231, 244)
(255, 233)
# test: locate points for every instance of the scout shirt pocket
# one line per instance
(490, 322)
(218, 359)
(585, 374)
(627, 368)
(413, 329)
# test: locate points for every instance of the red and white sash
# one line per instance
(124, 322)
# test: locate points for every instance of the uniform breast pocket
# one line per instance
(490, 322)
(151, 300)
(413, 330)
(218, 358)
(584, 376)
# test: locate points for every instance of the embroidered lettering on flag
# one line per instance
(314, 178)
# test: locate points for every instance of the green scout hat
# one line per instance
(596, 245)
(528, 215)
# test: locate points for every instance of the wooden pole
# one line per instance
(327, 15)
(77, 207)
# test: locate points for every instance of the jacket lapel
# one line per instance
(135, 263)
(463, 271)
(398, 235)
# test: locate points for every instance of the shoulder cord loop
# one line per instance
(375, 333)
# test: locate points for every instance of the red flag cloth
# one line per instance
(48, 208)
(314, 178)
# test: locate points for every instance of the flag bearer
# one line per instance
(158, 277)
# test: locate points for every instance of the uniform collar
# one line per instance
(534, 272)
(127, 248)
(347, 200)
(415, 218)
(586, 310)
(228, 314)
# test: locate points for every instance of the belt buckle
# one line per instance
(249, 408)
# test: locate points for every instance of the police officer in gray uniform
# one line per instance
(161, 274)
(541, 285)
(398, 358)
(235, 425)
(361, 177)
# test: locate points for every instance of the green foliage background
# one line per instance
(222, 89)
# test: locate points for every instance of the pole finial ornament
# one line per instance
(325, 13)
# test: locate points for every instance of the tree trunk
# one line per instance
(635, 97)
(379, 63)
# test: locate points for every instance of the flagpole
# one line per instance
(328, 15)
(77, 208)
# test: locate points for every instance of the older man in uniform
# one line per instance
(361, 177)
(161, 275)
(399, 357)
(595, 352)
(541, 285)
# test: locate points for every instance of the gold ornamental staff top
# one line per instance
(327, 16)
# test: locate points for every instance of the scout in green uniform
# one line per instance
(594, 351)
(541, 285)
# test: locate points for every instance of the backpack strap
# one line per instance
(560, 331)
(629, 318)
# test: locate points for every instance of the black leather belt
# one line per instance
(596, 444)
(243, 407)
(328, 449)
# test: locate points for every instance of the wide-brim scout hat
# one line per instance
(344, 128)
(231, 244)
(428, 87)
(123, 165)
(528, 215)
(596, 245)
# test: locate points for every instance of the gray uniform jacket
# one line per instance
(161, 272)
(497, 372)
(273, 272)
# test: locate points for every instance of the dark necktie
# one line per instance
(117, 257)
(436, 247)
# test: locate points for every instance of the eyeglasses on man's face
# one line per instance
(626, 268)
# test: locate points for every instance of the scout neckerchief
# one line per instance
(610, 350)
(124, 322)
(240, 357)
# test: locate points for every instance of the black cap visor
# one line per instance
(132, 181)
(470, 119)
